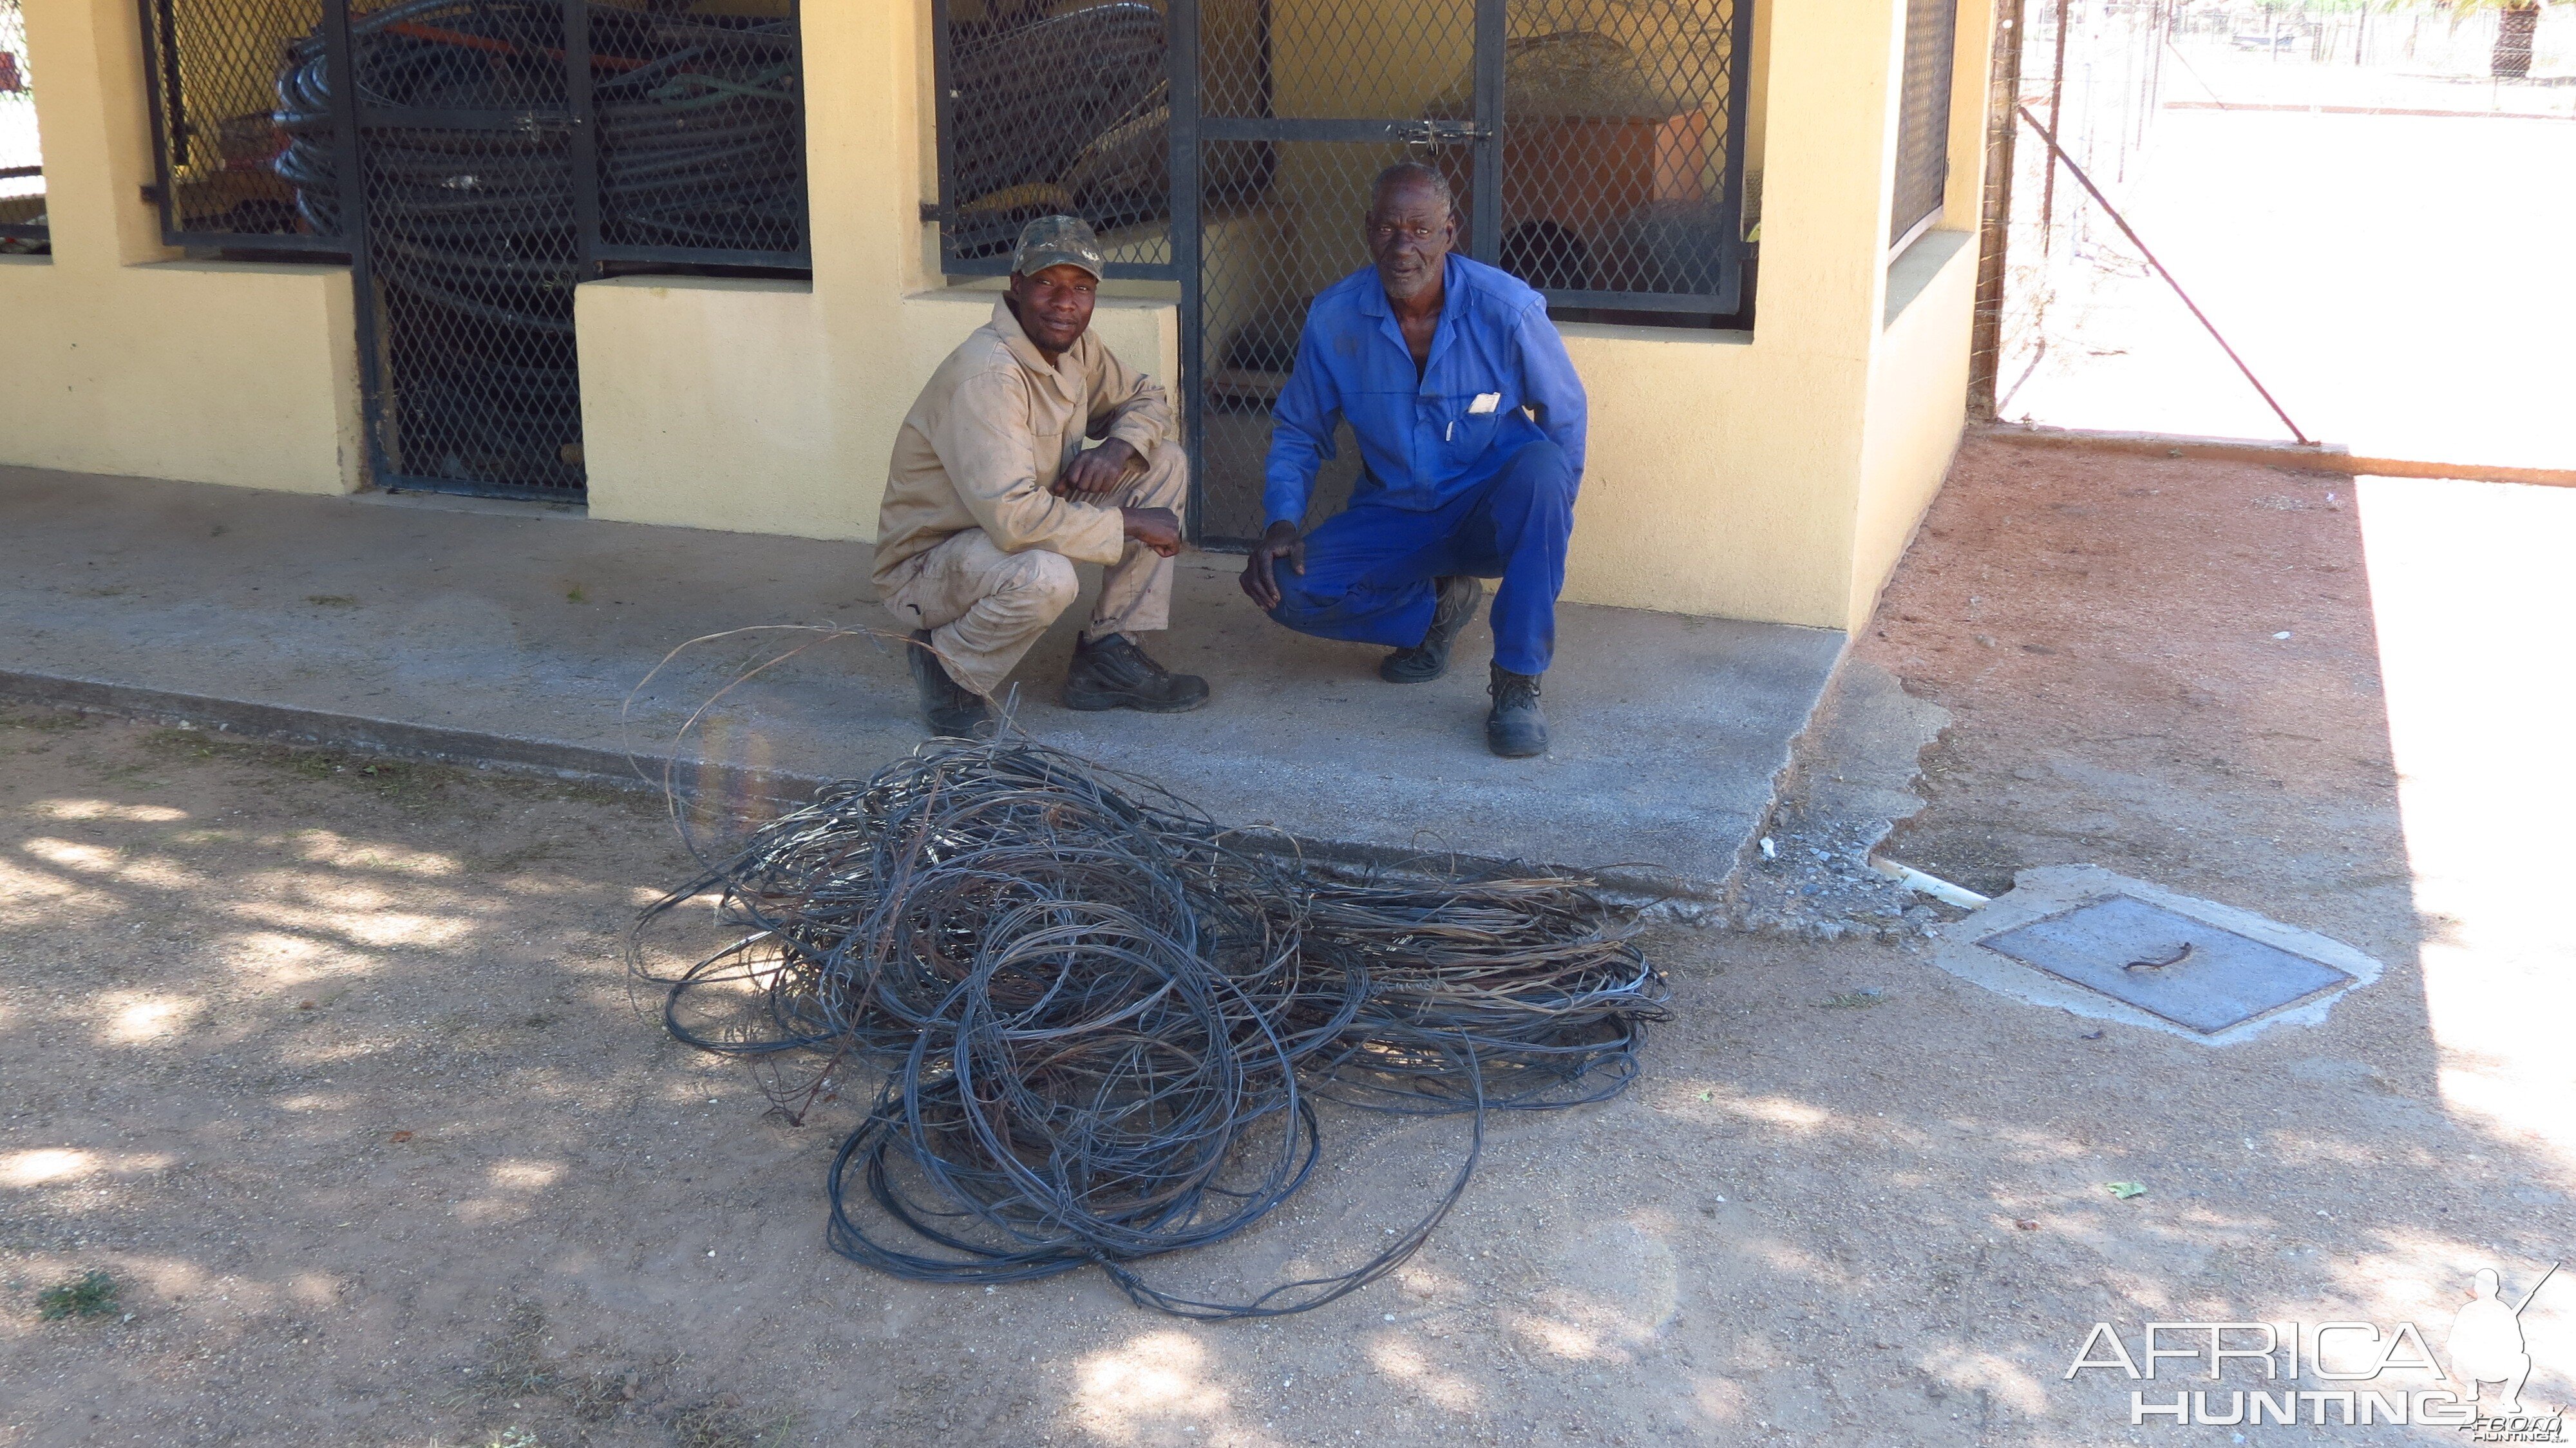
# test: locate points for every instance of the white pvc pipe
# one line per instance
(1932, 885)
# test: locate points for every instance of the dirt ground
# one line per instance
(331, 1065)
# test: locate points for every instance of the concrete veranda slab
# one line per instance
(517, 634)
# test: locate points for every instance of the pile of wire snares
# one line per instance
(463, 109)
(1098, 1025)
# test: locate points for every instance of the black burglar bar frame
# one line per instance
(1192, 134)
(174, 134)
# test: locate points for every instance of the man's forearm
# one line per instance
(1085, 532)
(1285, 503)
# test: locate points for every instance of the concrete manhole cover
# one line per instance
(2190, 972)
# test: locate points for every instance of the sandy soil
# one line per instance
(2104, 634)
(336, 1074)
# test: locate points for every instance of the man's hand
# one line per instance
(1156, 528)
(1260, 582)
(1097, 470)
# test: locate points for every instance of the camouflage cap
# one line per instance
(1058, 241)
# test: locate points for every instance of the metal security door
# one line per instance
(1297, 105)
(468, 245)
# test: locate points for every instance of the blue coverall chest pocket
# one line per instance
(1466, 434)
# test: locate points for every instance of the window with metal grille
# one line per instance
(1054, 110)
(1923, 116)
(22, 154)
(1622, 153)
(1612, 132)
(657, 131)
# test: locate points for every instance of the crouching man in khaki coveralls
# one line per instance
(992, 499)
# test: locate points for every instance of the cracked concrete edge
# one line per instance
(1656, 894)
(2053, 889)
(1855, 761)
(1868, 738)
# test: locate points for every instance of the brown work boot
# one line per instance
(1113, 673)
(953, 710)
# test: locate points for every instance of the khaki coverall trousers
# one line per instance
(985, 608)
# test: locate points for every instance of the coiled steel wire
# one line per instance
(1098, 1025)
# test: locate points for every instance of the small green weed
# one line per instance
(575, 595)
(720, 1425)
(45, 721)
(92, 1294)
(190, 742)
(330, 600)
(1852, 1000)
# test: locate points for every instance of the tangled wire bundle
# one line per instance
(1099, 1025)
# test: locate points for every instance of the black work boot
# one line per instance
(1113, 673)
(1515, 729)
(954, 711)
(1429, 659)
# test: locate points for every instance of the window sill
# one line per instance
(1913, 269)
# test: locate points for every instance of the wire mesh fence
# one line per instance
(1621, 166)
(214, 78)
(2517, 60)
(470, 241)
(2315, 175)
(690, 115)
(22, 153)
(701, 134)
(1054, 113)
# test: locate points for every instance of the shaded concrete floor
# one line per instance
(520, 634)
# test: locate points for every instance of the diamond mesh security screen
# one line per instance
(503, 151)
(1622, 122)
(1054, 110)
(217, 75)
(470, 242)
(692, 123)
(22, 157)
(1301, 103)
(1923, 114)
(701, 127)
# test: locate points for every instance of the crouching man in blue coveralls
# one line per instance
(1470, 425)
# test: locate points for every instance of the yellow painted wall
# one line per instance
(123, 360)
(712, 404)
(1918, 386)
(1918, 402)
(1717, 480)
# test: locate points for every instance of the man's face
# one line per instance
(1410, 231)
(1054, 307)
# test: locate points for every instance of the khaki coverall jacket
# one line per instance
(991, 432)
